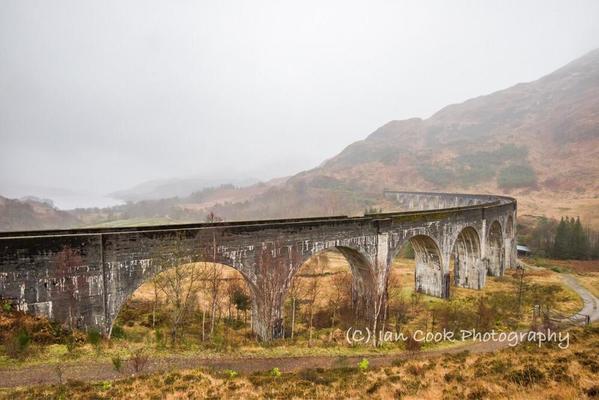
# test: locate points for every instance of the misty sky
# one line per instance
(97, 96)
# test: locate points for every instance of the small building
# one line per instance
(523, 251)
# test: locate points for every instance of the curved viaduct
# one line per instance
(84, 276)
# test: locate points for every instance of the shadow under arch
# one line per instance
(468, 271)
(187, 262)
(495, 252)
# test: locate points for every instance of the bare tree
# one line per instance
(230, 289)
(294, 295)
(266, 319)
(313, 289)
(215, 276)
(395, 301)
(155, 300)
(212, 217)
(341, 283)
(213, 289)
(179, 282)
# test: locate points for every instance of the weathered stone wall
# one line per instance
(56, 276)
(419, 201)
(83, 277)
(467, 260)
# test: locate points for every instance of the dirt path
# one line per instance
(591, 303)
(97, 371)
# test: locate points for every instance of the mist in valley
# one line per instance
(97, 100)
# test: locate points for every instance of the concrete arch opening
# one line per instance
(329, 292)
(495, 252)
(426, 269)
(466, 260)
(194, 301)
(429, 277)
(429, 267)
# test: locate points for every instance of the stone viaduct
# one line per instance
(84, 276)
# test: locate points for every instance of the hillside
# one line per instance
(538, 141)
(32, 214)
(538, 125)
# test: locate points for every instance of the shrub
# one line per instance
(16, 345)
(160, 341)
(398, 362)
(412, 345)
(139, 360)
(593, 392)
(315, 376)
(70, 342)
(94, 337)
(24, 339)
(6, 307)
(234, 323)
(416, 370)
(375, 386)
(589, 364)
(559, 373)
(453, 376)
(117, 332)
(516, 176)
(527, 376)
(231, 374)
(117, 363)
(499, 366)
(275, 372)
(479, 393)
(363, 365)
(436, 174)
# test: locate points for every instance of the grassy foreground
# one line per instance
(525, 372)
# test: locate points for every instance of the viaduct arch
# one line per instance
(83, 276)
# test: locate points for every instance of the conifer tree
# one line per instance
(580, 241)
(560, 243)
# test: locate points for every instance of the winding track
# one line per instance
(98, 371)
(591, 303)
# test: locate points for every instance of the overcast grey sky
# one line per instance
(97, 96)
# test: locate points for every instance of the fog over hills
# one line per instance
(176, 187)
(538, 141)
(521, 137)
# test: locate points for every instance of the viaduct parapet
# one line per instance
(84, 276)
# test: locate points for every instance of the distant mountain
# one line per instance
(177, 187)
(538, 135)
(32, 214)
(538, 141)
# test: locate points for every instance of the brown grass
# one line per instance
(525, 372)
(586, 271)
